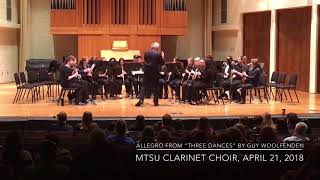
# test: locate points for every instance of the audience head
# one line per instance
(267, 121)
(121, 128)
(200, 136)
(62, 118)
(140, 122)
(163, 136)
(308, 124)
(235, 135)
(300, 129)
(204, 124)
(268, 134)
(242, 128)
(148, 134)
(166, 120)
(177, 125)
(292, 120)
(97, 137)
(87, 118)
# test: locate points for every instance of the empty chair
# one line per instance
(36, 86)
(292, 85)
(273, 82)
(22, 89)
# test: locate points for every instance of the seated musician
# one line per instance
(163, 83)
(175, 78)
(137, 80)
(224, 79)
(203, 79)
(101, 78)
(250, 79)
(69, 78)
(126, 79)
(186, 79)
(84, 64)
(115, 79)
(192, 78)
(238, 72)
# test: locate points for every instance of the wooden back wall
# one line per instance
(256, 37)
(97, 23)
(293, 44)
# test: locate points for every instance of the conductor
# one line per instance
(153, 61)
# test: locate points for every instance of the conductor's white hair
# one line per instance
(155, 45)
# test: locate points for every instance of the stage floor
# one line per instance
(121, 108)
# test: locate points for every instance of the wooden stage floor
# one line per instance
(310, 103)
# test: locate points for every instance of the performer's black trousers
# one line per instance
(196, 87)
(82, 92)
(186, 90)
(150, 85)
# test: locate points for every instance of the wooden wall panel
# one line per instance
(174, 19)
(63, 18)
(293, 49)
(65, 45)
(91, 45)
(97, 25)
(256, 37)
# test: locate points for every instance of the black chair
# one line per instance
(262, 85)
(22, 89)
(281, 81)
(273, 82)
(63, 93)
(292, 85)
(36, 86)
(47, 79)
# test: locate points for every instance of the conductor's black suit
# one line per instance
(153, 62)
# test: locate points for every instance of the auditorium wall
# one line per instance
(42, 44)
(9, 42)
(235, 11)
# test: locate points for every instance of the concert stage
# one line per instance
(125, 109)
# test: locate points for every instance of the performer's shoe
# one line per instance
(79, 103)
(139, 103)
(242, 102)
(166, 96)
(156, 103)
